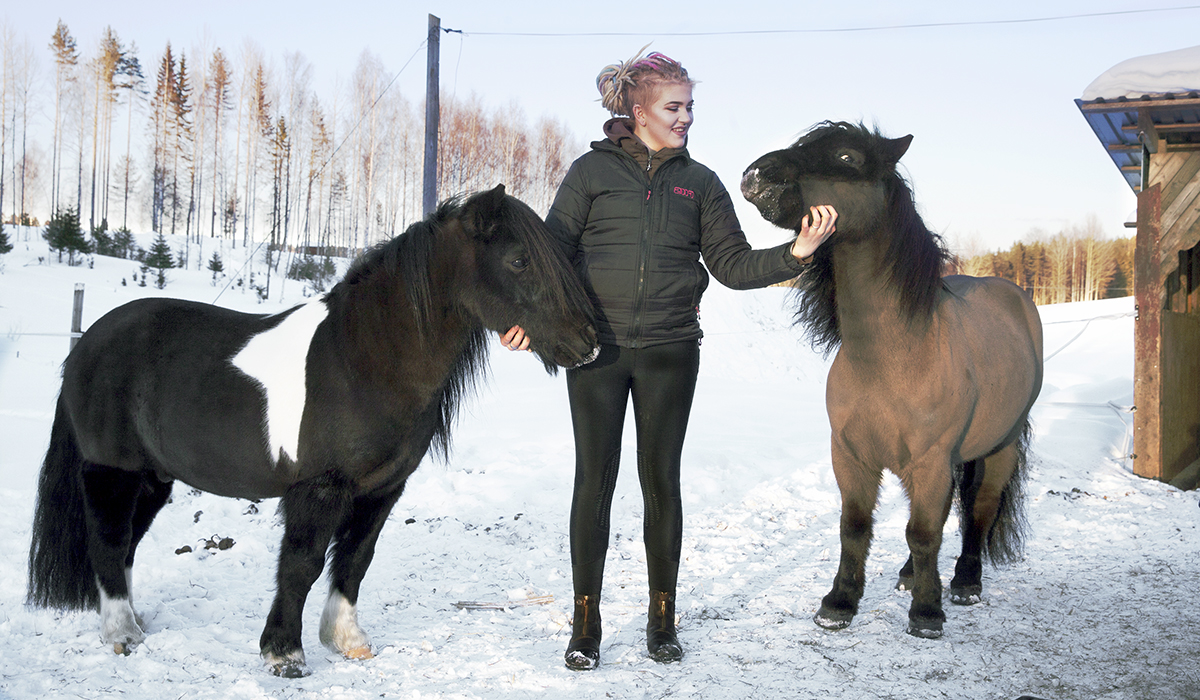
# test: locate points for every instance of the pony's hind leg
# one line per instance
(312, 511)
(353, 550)
(983, 490)
(152, 496)
(860, 490)
(965, 479)
(113, 499)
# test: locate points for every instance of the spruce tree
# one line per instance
(215, 265)
(123, 243)
(160, 258)
(6, 246)
(64, 234)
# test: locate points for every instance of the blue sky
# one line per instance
(986, 89)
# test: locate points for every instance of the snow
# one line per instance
(1155, 75)
(1100, 607)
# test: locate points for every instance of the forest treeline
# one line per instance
(244, 149)
(1076, 264)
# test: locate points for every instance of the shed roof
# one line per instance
(1143, 102)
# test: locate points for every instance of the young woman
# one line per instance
(635, 215)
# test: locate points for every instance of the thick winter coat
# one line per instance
(635, 232)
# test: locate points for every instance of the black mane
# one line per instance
(913, 264)
(406, 258)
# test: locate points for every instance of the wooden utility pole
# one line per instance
(432, 113)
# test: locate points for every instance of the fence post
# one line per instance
(77, 315)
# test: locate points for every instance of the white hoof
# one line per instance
(119, 624)
(339, 630)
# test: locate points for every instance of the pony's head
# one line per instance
(853, 169)
(515, 274)
(837, 163)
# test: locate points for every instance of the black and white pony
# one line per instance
(330, 405)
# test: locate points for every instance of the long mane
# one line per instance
(913, 264)
(406, 260)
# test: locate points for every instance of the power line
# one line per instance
(840, 30)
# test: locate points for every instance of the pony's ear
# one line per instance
(894, 149)
(487, 208)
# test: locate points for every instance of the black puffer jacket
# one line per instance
(635, 226)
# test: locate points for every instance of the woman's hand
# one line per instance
(515, 339)
(810, 237)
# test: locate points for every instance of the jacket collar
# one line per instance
(619, 136)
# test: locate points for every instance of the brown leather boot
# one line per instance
(583, 653)
(661, 640)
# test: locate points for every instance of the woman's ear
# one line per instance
(639, 115)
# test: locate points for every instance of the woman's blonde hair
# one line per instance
(638, 81)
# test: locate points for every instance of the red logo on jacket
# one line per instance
(686, 193)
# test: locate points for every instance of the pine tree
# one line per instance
(222, 102)
(5, 245)
(66, 58)
(131, 80)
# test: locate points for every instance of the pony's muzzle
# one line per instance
(762, 193)
(591, 357)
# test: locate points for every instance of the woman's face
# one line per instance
(666, 122)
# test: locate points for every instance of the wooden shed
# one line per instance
(1146, 113)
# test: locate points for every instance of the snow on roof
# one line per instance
(1156, 74)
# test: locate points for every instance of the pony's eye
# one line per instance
(519, 263)
(851, 157)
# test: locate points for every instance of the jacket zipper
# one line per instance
(639, 300)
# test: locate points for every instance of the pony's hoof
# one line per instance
(291, 665)
(123, 648)
(925, 629)
(832, 619)
(966, 595)
(360, 654)
(904, 583)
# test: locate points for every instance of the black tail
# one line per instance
(60, 572)
(1004, 542)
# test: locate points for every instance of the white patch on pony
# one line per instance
(340, 631)
(119, 625)
(276, 360)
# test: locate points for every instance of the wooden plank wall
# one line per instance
(1167, 333)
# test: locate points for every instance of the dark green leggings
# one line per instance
(662, 382)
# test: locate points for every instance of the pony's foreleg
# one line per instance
(312, 510)
(966, 479)
(980, 506)
(353, 549)
(860, 490)
(929, 488)
(110, 502)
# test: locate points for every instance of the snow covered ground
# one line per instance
(1102, 606)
